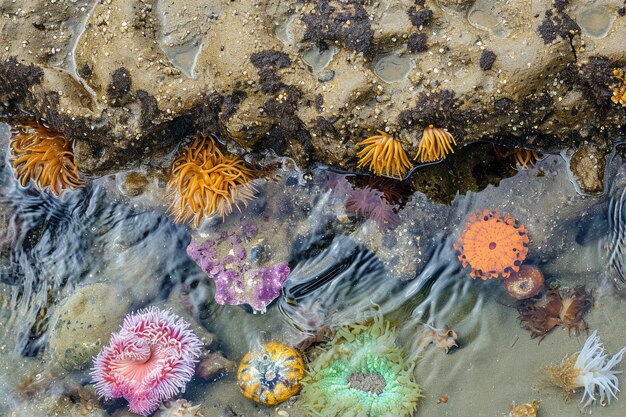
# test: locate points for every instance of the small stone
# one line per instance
(83, 323)
(325, 76)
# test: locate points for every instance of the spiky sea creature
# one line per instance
(45, 157)
(436, 144)
(271, 373)
(384, 155)
(204, 182)
(362, 373)
(590, 369)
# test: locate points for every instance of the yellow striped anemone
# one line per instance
(362, 374)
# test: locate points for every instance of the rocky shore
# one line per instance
(129, 80)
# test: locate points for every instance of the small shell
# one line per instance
(178, 408)
(525, 410)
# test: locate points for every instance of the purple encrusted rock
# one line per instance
(235, 281)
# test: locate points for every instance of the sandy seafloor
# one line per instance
(497, 363)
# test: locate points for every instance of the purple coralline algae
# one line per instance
(236, 282)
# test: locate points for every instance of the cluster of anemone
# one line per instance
(204, 181)
(492, 245)
(619, 91)
(362, 373)
(590, 369)
(382, 154)
(44, 157)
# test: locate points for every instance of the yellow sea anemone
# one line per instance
(436, 144)
(204, 181)
(385, 156)
(44, 156)
(619, 92)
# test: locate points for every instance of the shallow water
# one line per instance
(343, 271)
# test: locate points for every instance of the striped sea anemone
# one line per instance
(204, 182)
(492, 244)
(362, 373)
(45, 157)
(383, 155)
(148, 361)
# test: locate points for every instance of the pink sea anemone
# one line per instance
(148, 361)
(371, 204)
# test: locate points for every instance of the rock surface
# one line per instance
(83, 323)
(128, 80)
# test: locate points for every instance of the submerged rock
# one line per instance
(83, 323)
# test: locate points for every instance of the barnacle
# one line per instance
(525, 158)
(384, 156)
(45, 157)
(204, 181)
(492, 244)
(436, 144)
(619, 91)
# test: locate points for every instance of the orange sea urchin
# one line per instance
(492, 244)
(44, 156)
(436, 144)
(204, 182)
(385, 155)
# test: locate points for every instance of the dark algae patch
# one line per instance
(120, 87)
(487, 58)
(420, 17)
(344, 21)
(418, 42)
(557, 24)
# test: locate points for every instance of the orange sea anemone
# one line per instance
(525, 158)
(525, 283)
(384, 155)
(492, 244)
(204, 181)
(45, 157)
(436, 144)
(619, 92)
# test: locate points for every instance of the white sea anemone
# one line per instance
(589, 369)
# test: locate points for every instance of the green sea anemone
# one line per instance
(362, 374)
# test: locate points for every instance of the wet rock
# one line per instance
(587, 166)
(214, 364)
(83, 323)
(133, 184)
(127, 81)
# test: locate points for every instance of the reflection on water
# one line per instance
(52, 248)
